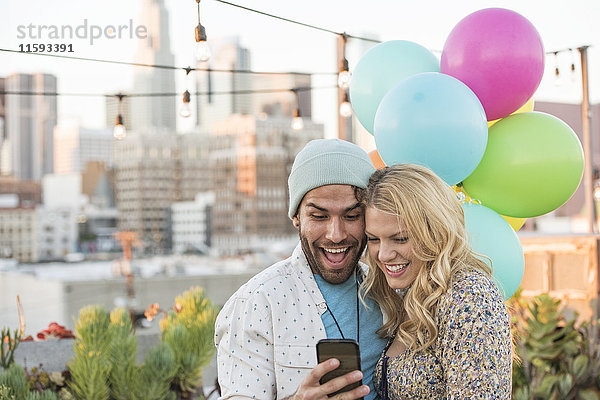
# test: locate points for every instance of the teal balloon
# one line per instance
(490, 235)
(434, 120)
(532, 165)
(380, 69)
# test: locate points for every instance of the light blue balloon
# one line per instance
(434, 120)
(380, 69)
(490, 235)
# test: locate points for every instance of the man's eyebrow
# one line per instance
(316, 206)
(357, 205)
(347, 210)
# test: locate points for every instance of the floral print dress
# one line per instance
(471, 358)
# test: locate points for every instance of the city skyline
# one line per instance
(280, 46)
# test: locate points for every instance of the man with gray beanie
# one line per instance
(267, 331)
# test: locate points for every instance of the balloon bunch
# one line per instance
(470, 119)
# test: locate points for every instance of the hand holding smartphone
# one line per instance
(347, 352)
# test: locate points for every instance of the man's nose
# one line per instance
(336, 230)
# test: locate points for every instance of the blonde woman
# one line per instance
(447, 325)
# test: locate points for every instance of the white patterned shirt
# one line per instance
(266, 333)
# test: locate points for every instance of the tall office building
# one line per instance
(250, 162)
(74, 147)
(282, 103)
(211, 106)
(152, 171)
(276, 101)
(159, 111)
(30, 121)
(2, 118)
(4, 144)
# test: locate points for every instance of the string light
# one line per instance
(119, 130)
(165, 94)
(297, 123)
(344, 75)
(202, 51)
(346, 107)
(573, 74)
(557, 80)
(185, 111)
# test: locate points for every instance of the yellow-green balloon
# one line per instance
(533, 163)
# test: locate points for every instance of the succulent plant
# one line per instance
(556, 358)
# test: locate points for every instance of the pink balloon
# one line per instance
(499, 55)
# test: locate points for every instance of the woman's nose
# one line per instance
(386, 252)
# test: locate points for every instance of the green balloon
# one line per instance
(533, 163)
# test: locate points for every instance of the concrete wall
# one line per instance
(46, 301)
(43, 302)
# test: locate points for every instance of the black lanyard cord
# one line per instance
(357, 314)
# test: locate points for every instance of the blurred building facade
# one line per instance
(30, 120)
(268, 95)
(250, 162)
(191, 224)
(152, 171)
(19, 233)
(75, 146)
(227, 54)
(19, 222)
(154, 111)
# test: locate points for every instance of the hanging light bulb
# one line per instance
(202, 51)
(573, 74)
(185, 111)
(344, 75)
(297, 123)
(346, 107)
(119, 131)
(557, 77)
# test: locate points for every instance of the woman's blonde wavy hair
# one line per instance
(434, 221)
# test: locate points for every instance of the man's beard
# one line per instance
(329, 275)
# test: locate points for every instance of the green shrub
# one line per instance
(90, 367)
(189, 330)
(156, 374)
(15, 380)
(123, 353)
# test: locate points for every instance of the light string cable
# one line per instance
(166, 94)
(299, 23)
(135, 64)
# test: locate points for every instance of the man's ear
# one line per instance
(296, 221)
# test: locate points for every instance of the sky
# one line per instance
(281, 46)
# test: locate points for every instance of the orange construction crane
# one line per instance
(127, 239)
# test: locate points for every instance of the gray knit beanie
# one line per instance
(327, 162)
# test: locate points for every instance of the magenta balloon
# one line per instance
(499, 54)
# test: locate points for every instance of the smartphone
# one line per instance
(347, 352)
